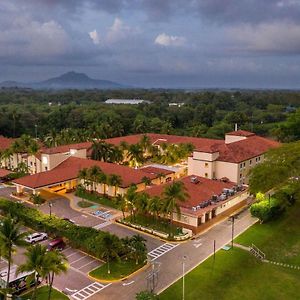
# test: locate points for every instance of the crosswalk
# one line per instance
(89, 291)
(102, 225)
(161, 250)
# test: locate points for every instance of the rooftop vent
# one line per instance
(194, 180)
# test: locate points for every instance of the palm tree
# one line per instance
(110, 244)
(160, 176)
(35, 262)
(130, 198)
(147, 181)
(145, 143)
(55, 262)
(116, 181)
(135, 155)
(174, 194)
(102, 178)
(120, 202)
(93, 175)
(10, 238)
(139, 248)
(83, 174)
(141, 202)
(155, 206)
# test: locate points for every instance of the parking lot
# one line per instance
(81, 261)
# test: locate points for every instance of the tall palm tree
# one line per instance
(110, 244)
(130, 197)
(174, 194)
(103, 179)
(141, 202)
(147, 181)
(55, 264)
(115, 181)
(145, 143)
(120, 202)
(83, 174)
(155, 206)
(135, 155)
(35, 262)
(10, 238)
(138, 246)
(93, 174)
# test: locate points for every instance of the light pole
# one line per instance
(232, 231)
(36, 133)
(183, 272)
(50, 206)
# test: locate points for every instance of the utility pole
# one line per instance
(50, 207)
(183, 273)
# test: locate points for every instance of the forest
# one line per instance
(75, 116)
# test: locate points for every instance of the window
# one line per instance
(250, 162)
(46, 168)
(206, 165)
(244, 164)
(241, 175)
(241, 165)
(206, 175)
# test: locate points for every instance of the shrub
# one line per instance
(85, 238)
(37, 199)
(145, 295)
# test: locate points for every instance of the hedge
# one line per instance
(85, 238)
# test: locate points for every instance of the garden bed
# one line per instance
(119, 270)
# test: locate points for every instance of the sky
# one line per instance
(154, 43)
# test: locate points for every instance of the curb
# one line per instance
(121, 279)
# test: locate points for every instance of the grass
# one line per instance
(119, 270)
(85, 204)
(97, 198)
(42, 294)
(162, 225)
(238, 275)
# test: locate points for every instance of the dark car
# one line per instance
(58, 244)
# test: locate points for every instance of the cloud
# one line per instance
(270, 38)
(169, 40)
(95, 37)
(118, 31)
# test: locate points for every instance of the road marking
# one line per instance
(89, 291)
(67, 256)
(66, 249)
(84, 216)
(73, 262)
(161, 250)
(128, 283)
(72, 291)
(197, 245)
(101, 225)
(86, 264)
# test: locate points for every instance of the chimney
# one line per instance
(235, 127)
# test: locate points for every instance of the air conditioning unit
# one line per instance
(194, 179)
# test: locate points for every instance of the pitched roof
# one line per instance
(5, 142)
(4, 173)
(70, 168)
(241, 133)
(66, 148)
(197, 192)
(156, 170)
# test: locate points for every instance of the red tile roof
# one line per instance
(197, 192)
(66, 148)
(69, 169)
(4, 173)
(5, 142)
(158, 139)
(241, 133)
(156, 171)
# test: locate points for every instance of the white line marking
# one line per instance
(84, 216)
(72, 291)
(67, 256)
(89, 290)
(87, 264)
(197, 245)
(161, 250)
(128, 283)
(73, 262)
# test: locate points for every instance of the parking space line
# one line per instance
(67, 256)
(89, 291)
(73, 262)
(87, 264)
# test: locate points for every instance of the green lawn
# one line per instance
(85, 204)
(42, 294)
(238, 275)
(162, 225)
(118, 270)
(97, 198)
(279, 239)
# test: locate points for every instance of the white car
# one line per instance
(36, 237)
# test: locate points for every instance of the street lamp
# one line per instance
(232, 231)
(183, 272)
(36, 132)
(50, 206)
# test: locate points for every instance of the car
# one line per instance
(36, 237)
(58, 244)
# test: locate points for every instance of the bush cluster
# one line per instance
(85, 238)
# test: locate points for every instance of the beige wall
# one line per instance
(202, 168)
(226, 169)
(232, 202)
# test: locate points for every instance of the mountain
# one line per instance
(69, 80)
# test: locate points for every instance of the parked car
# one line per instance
(36, 237)
(58, 244)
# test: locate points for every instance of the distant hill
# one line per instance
(70, 80)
